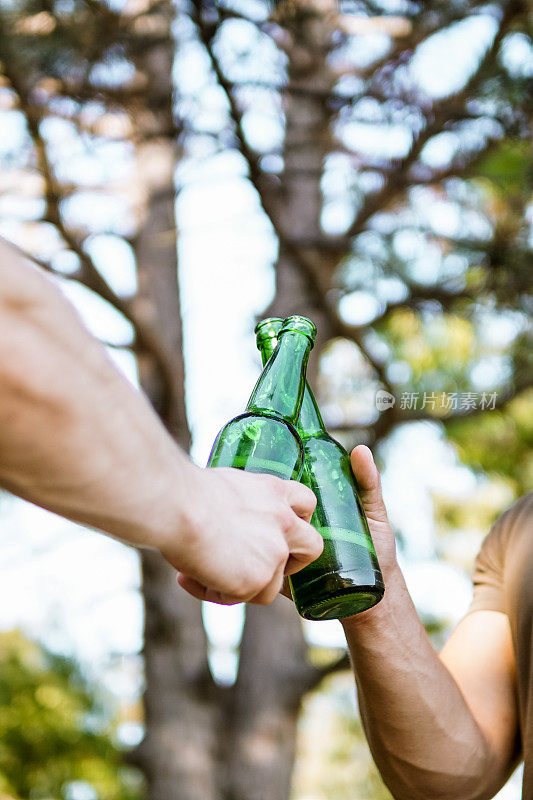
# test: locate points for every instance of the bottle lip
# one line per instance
(301, 325)
(268, 328)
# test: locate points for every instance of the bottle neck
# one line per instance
(310, 417)
(310, 420)
(281, 385)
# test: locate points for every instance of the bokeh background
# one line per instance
(182, 169)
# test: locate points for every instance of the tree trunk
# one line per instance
(265, 703)
(307, 143)
(177, 754)
(273, 672)
(190, 728)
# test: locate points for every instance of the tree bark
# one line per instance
(178, 753)
(274, 673)
(265, 703)
(306, 146)
(190, 730)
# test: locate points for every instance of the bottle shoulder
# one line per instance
(259, 443)
(322, 441)
(267, 417)
(263, 427)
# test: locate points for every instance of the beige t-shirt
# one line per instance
(503, 581)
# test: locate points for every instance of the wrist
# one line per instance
(174, 531)
(395, 590)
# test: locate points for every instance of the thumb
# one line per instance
(369, 483)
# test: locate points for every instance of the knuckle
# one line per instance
(306, 492)
(312, 500)
(311, 547)
(276, 484)
(242, 593)
(254, 583)
(282, 552)
(269, 594)
(285, 518)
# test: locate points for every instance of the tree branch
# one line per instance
(395, 416)
(418, 296)
(207, 31)
(318, 674)
(419, 35)
(397, 179)
(147, 338)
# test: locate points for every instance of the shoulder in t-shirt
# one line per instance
(490, 561)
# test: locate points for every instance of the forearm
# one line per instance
(75, 437)
(422, 734)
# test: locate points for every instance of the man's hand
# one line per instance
(369, 484)
(241, 534)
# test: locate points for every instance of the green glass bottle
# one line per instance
(346, 578)
(264, 438)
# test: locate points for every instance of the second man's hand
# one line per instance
(241, 533)
(369, 485)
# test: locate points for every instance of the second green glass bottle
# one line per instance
(346, 578)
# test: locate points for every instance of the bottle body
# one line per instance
(346, 578)
(259, 443)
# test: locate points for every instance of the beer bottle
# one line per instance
(345, 579)
(264, 438)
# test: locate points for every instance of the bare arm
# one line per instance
(438, 727)
(77, 439)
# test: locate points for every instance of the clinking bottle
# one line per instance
(346, 578)
(264, 438)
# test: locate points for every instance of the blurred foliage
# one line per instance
(462, 525)
(507, 169)
(500, 444)
(56, 740)
(438, 349)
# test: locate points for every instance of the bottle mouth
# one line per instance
(268, 328)
(301, 325)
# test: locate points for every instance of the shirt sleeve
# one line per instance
(488, 572)
(489, 575)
